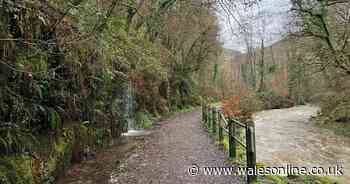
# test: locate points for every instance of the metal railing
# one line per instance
(214, 120)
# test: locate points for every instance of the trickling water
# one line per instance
(129, 106)
(286, 136)
(129, 111)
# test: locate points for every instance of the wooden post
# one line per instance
(221, 136)
(214, 120)
(203, 114)
(209, 118)
(251, 150)
(206, 115)
(232, 142)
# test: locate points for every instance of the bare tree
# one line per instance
(327, 24)
(248, 22)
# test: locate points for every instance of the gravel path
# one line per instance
(172, 148)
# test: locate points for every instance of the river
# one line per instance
(286, 136)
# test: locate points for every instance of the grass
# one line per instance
(273, 179)
(186, 109)
(295, 179)
(175, 110)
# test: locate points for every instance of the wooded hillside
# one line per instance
(70, 63)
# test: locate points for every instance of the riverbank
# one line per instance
(339, 128)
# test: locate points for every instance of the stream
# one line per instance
(286, 136)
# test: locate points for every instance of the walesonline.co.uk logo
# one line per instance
(287, 170)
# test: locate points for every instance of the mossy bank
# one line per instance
(71, 145)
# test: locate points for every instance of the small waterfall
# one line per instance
(129, 112)
(129, 106)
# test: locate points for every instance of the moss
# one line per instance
(277, 179)
(240, 151)
(16, 170)
(315, 179)
(61, 156)
(294, 179)
(26, 170)
(7, 172)
(260, 165)
(326, 180)
(225, 143)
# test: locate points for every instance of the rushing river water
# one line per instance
(286, 136)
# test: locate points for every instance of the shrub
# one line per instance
(271, 100)
(13, 140)
(143, 120)
(242, 106)
(336, 106)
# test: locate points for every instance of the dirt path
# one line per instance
(166, 155)
(286, 136)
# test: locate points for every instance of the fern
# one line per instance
(14, 140)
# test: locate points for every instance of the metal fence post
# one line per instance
(251, 150)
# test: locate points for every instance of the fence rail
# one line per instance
(213, 119)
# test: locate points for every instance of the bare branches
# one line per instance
(335, 2)
(327, 28)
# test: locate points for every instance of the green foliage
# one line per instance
(13, 140)
(272, 68)
(76, 66)
(54, 119)
(71, 61)
(143, 120)
(16, 169)
(7, 172)
(101, 136)
(185, 109)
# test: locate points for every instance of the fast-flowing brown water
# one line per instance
(286, 136)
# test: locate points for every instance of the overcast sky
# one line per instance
(276, 20)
